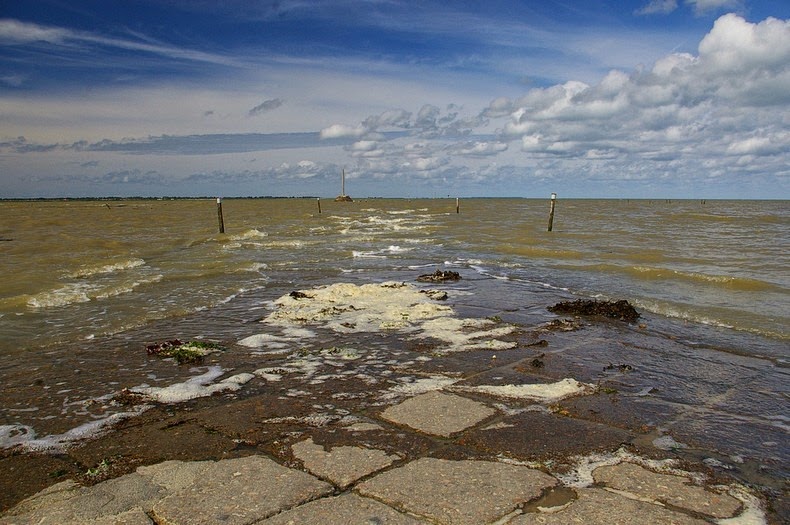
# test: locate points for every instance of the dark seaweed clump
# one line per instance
(439, 276)
(621, 309)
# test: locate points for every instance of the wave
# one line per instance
(726, 281)
(90, 271)
(540, 252)
(74, 293)
(248, 235)
(374, 254)
(707, 317)
(652, 273)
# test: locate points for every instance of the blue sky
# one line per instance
(596, 98)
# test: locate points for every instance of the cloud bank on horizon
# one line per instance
(650, 98)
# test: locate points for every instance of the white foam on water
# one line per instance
(249, 234)
(265, 340)
(254, 267)
(88, 271)
(277, 342)
(348, 308)
(25, 436)
(83, 292)
(195, 387)
(122, 288)
(273, 374)
(545, 393)
(68, 294)
(581, 475)
(393, 306)
(752, 513)
(466, 334)
(413, 387)
(12, 435)
(298, 333)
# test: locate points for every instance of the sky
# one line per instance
(502, 98)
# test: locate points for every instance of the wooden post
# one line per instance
(319, 205)
(219, 215)
(457, 205)
(551, 211)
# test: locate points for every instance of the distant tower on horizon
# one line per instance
(343, 197)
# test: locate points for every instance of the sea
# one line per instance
(88, 284)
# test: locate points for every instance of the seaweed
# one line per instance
(621, 309)
(439, 276)
(184, 351)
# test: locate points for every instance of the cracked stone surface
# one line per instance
(348, 508)
(601, 506)
(239, 492)
(135, 516)
(69, 503)
(438, 413)
(673, 490)
(341, 465)
(457, 492)
(174, 475)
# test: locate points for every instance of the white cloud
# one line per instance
(702, 7)
(710, 101)
(720, 113)
(480, 149)
(735, 45)
(658, 7)
(16, 32)
(337, 131)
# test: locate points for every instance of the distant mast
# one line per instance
(343, 197)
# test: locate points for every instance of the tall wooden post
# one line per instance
(219, 215)
(319, 205)
(457, 205)
(551, 211)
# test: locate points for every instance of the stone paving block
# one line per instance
(50, 496)
(239, 492)
(348, 509)
(80, 505)
(673, 490)
(438, 413)
(341, 465)
(457, 492)
(135, 516)
(598, 506)
(174, 475)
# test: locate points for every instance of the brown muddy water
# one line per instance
(88, 284)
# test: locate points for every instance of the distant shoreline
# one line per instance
(313, 197)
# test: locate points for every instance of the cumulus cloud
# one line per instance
(734, 45)
(728, 100)
(480, 149)
(337, 131)
(266, 105)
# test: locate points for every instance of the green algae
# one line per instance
(184, 352)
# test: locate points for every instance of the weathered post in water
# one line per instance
(551, 211)
(319, 205)
(219, 215)
(457, 205)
